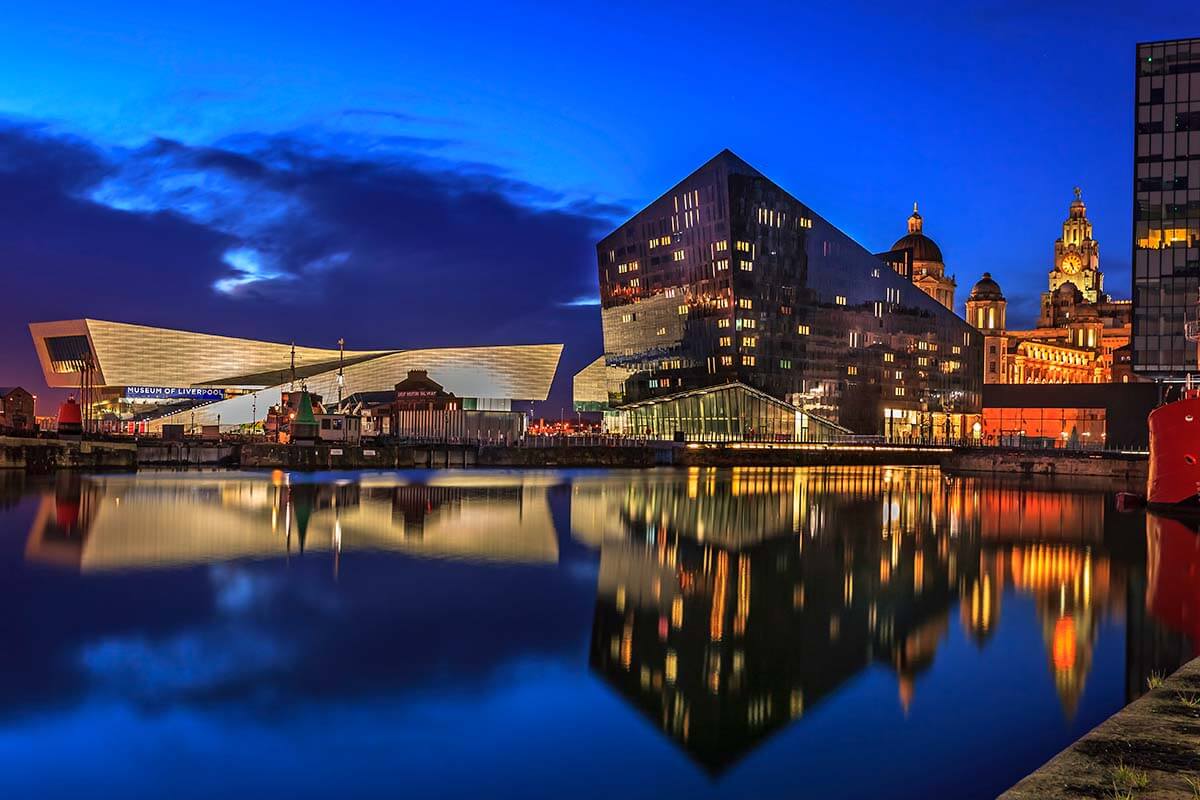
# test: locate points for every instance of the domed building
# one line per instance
(928, 266)
(1079, 329)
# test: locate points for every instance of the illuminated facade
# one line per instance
(925, 266)
(728, 279)
(1080, 329)
(1166, 200)
(134, 371)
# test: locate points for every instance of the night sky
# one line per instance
(410, 177)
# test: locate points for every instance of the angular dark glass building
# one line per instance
(1166, 207)
(728, 281)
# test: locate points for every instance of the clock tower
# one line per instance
(1077, 255)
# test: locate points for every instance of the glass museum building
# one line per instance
(731, 311)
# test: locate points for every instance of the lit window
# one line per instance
(840, 300)
(785, 363)
(723, 323)
(889, 357)
(683, 309)
(851, 370)
(749, 341)
(745, 247)
(628, 317)
(748, 361)
(634, 283)
(725, 341)
(745, 266)
(746, 324)
(677, 255)
(722, 264)
(726, 361)
(721, 246)
(745, 302)
(899, 391)
(899, 375)
(661, 331)
(803, 330)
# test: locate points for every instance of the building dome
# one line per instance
(986, 289)
(924, 248)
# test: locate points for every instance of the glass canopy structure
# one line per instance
(732, 412)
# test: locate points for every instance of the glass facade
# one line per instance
(1047, 427)
(1166, 216)
(729, 413)
(727, 278)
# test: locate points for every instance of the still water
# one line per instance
(715, 633)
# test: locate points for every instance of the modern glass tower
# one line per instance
(729, 283)
(1166, 207)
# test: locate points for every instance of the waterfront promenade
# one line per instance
(1149, 749)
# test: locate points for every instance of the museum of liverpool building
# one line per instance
(731, 311)
(142, 377)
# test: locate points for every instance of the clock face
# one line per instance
(1071, 263)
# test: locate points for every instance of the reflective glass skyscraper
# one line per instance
(728, 279)
(1166, 215)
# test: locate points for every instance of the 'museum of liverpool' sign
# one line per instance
(169, 393)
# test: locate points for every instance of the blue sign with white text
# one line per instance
(171, 393)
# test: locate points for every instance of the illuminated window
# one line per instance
(889, 357)
(725, 341)
(745, 266)
(803, 330)
(956, 349)
(748, 361)
(683, 309)
(721, 246)
(840, 300)
(746, 324)
(677, 255)
(661, 332)
(899, 375)
(745, 247)
(878, 309)
(634, 283)
(628, 317)
(745, 302)
(922, 361)
(875, 272)
(785, 310)
(723, 323)
(631, 266)
(749, 341)
(899, 391)
(851, 370)
(726, 361)
(785, 363)
(721, 264)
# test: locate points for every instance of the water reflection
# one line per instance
(97, 524)
(730, 603)
(725, 606)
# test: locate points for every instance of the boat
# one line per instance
(1173, 483)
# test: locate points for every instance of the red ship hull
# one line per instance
(1174, 480)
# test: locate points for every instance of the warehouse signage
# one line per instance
(173, 393)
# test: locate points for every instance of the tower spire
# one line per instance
(915, 222)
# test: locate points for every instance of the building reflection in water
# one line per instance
(96, 524)
(730, 602)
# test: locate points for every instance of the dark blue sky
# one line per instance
(408, 177)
